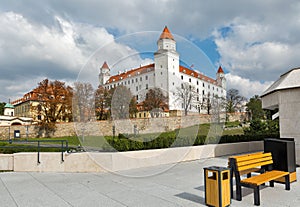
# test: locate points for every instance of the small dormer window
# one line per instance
(192, 74)
(121, 78)
(184, 71)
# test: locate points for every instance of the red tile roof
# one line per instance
(220, 70)
(196, 74)
(166, 34)
(105, 65)
(131, 73)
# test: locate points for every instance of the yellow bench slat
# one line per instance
(255, 165)
(265, 177)
(253, 161)
(255, 156)
(245, 155)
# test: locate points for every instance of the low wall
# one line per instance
(104, 128)
(119, 161)
(6, 162)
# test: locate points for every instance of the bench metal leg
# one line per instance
(238, 192)
(287, 182)
(256, 196)
(231, 183)
(272, 183)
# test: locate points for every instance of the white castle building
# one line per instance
(167, 74)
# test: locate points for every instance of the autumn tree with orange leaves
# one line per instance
(54, 103)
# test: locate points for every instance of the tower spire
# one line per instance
(166, 34)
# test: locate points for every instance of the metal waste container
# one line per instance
(217, 186)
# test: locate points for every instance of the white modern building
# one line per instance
(167, 74)
(284, 95)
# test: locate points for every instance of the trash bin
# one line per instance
(17, 134)
(217, 186)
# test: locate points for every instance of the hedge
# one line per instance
(127, 143)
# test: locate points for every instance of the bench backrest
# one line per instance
(252, 161)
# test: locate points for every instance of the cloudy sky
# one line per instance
(254, 41)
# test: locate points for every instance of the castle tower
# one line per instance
(221, 80)
(104, 74)
(9, 110)
(166, 61)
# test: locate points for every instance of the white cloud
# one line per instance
(252, 50)
(246, 87)
(30, 50)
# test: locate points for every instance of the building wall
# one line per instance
(289, 116)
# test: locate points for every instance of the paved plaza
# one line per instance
(178, 185)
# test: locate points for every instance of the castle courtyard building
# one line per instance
(167, 74)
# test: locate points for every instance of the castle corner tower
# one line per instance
(104, 74)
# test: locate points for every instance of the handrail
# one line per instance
(62, 146)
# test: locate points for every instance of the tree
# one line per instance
(2, 108)
(120, 102)
(54, 103)
(155, 100)
(102, 100)
(187, 96)
(234, 100)
(254, 107)
(83, 102)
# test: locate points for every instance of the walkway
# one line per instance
(181, 185)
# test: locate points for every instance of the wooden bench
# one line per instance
(258, 162)
(247, 172)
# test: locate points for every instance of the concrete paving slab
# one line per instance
(180, 185)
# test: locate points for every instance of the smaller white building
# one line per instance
(9, 119)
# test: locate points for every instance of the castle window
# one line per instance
(128, 82)
(141, 78)
(161, 73)
(173, 83)
(160, 66)
(182, 77)
(136, 80)
(137, 88)
(137, 97)
(197, 90)
(190, 80)
(146, 86)
(146, 77)
(197, 82)
(203, 85)
(203, 92)
(132, 81)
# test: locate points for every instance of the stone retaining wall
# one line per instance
(154, 125)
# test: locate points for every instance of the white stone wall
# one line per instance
(117, 161)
